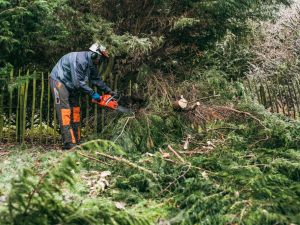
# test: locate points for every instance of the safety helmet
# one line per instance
(99, 49)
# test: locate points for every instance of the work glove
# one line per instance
(96, 97)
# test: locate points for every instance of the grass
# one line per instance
(17, 158)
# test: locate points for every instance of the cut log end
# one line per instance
(180, 104)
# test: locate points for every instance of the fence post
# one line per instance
(33, 99)
(48, 109)
(87, 125)
(21, 111)
(18, 110)
(25, 107)
(95, 115)
(10, 92)
(54, 122)
(41, 100)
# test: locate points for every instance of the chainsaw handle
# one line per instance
(107, 101)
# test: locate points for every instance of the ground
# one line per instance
(14, 158)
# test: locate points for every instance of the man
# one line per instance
(70, 75)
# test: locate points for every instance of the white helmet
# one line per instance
(99, 49)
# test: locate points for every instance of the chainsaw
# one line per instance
(111, 102)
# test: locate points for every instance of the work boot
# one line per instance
(68, 146)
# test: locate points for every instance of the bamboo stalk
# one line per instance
(21, 116)
(25, 107)
(17, 110)
(87, 113)
(10, 90)
(41, 99)
(48, 109)
(95, 115)
(54, 122)
(33, 100)
(102, 119)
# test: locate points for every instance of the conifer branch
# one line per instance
(35, 190)
(92, 158)
(244, 113)
(128, 163)
(176, 154)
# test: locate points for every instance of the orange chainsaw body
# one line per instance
(107, 101)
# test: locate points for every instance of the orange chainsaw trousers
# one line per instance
(68, 112)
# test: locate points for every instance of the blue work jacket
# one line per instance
(75, 70)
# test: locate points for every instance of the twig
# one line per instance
(223, 128)
(176, 154)
(122, 131)
(261, 140)
(170, 160)
(35, 190)
(123, 128)
(92, 158)
(173, 182)
(186, 164)
(127, 162)
(192, 152)
(164, 154)
(245, 113)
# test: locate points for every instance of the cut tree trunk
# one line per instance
(180, 104)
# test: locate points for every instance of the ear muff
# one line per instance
(94, 55)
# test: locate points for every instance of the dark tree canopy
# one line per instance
(37, 33)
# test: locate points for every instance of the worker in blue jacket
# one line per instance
(71, 74)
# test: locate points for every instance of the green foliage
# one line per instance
(251, 177)
(24, 24)
(146, 132)
(33, 199)
(40, 32)
(45, 199)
